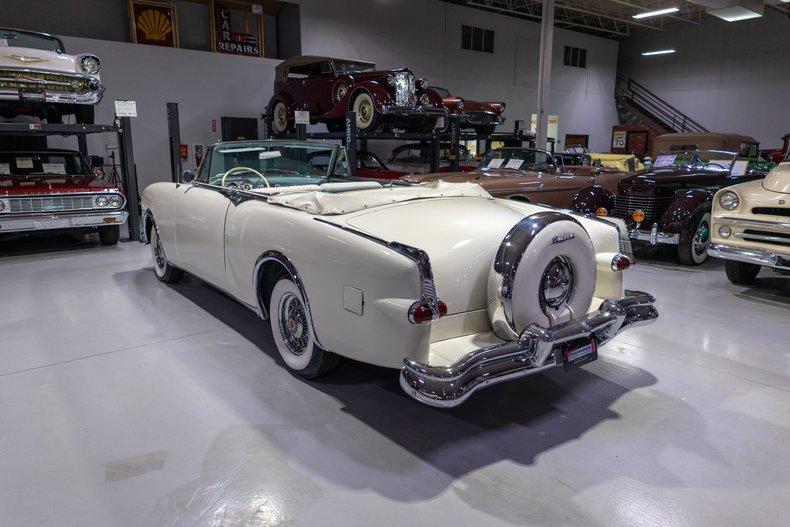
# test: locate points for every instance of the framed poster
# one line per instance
(236, 28)
(154, 22)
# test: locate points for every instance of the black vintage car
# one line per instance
(671, 203)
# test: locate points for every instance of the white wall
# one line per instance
(729, 77)
(421, 34)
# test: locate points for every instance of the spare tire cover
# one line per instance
(554, 280)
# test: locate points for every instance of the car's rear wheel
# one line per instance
(110, 234)
(693, 246)
(485, 130)
(293, 332)
(741, 273)
(163, 269)
(280, 121)
(367, 116)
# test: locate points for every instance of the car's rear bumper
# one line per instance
(482, 118)
(44, 222)
(537, 349)
(777, 260)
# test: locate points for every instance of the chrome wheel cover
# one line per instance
(556, 284)
(292, 320)
(159, 253)
(701, 239)
(280, 117)
(364, 111)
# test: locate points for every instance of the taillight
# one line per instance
(422, 312)
(621, 262)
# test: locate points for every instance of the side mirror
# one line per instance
(187, 176)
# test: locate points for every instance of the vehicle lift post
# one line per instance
(174, 134)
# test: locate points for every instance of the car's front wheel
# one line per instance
(741, 273)
(84, 114)
(367, 116)
(110, 234)
(293, 333)
(280, 122)
(163, 269)
(693, 246)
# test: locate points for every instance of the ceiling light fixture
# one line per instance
(658, 52)
(658, 12)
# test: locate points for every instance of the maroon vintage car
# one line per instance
(56, 190)
(482, 117)
(329, 87)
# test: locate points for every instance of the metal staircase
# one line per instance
(638, 105)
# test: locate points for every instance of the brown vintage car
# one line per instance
(482, 117)
(528, 174)
(329, 87)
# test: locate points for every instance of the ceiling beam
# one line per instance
(538, 17)
(646, 8)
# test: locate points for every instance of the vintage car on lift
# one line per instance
(329, 87)
(527, 174)
(415, 158)
(751, 225)
(457, 289)
(747, 147)
(482, 117)
(671, 203)
(47, 190)
(38, 78)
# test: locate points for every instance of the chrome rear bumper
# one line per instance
(537, 349)
(750, 255)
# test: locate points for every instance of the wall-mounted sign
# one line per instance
(125, 108)
(236, 28)
(154, 22)
(618, 139)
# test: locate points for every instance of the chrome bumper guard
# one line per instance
(43, 222)
(537, 349)
(90, 98)
(482, 118)
(654, 236)
(414, 111)
(750, 255)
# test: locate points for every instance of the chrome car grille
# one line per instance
(405, 89)
(43, 80)
(754, 235)
(653, 207)
(772, 211)
(49, 204)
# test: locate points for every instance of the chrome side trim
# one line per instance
(654, 236)
(761, 237)
(512, 248)
(418, 256)
(750, 255)
(752, 222)
(538, 348)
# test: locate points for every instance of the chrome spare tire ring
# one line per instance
(556, 284)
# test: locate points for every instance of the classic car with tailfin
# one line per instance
(329, 87)
(39, 79)
(456, 289)
(751, 225)
(482, 117)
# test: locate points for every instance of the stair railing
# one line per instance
(656, 108)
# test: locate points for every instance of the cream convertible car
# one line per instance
(457, 289)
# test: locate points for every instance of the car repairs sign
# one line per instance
(236, 29)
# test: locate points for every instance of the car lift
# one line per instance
(122, 128)
(356, 140)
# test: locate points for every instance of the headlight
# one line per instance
(729, 200)
(115, 201)
(391, 80)
(90, 64)
(724, 231)
(422, 83)
(425, 100)
(502, 105)
(461, 104)
(101, 202)
(2, 206)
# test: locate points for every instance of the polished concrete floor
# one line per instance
(124, 401)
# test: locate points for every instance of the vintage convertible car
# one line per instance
(457, 289)
(579, 157)
(55, 189)
(671, 203)
(482, 117)
(528, 174)
(329, 87)
(747, 147)
(38, 78)
(751, 225)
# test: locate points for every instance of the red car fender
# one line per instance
(285, 98)
(381, 97)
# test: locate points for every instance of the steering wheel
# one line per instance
(235, 170)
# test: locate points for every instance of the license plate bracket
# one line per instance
(32, 95)
(578, 353)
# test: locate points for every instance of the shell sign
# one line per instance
(154, 22)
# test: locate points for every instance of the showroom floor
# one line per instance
(124, 401)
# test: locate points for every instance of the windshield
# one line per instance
(37, 164)
(349, 67)
(517, 159)
(706, 160)
(23, 39)
(282, 163)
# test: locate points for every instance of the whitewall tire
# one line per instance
(293, 334)
(365, 109)
(280, 118)
(163, 269)
(693, 247)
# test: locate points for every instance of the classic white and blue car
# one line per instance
(455, 288)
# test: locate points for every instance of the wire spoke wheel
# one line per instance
(294, 328)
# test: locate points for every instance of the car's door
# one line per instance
(200, 210)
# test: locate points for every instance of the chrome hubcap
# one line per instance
(702, 238)
(280, 116)
(159, 253)
(556, 284)
(293, 324)
(364, 111)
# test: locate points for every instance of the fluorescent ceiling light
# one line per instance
(658, 52)
(659, 12)
(734, 14)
